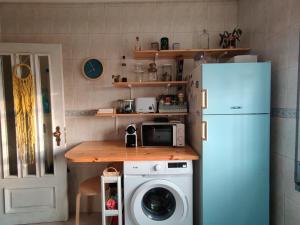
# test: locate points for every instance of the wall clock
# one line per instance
(92, 68)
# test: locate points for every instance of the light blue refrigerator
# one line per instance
(235, 130)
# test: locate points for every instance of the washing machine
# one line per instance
(158, 192)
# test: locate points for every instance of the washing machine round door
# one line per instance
(158, 202)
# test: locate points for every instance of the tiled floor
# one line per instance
(85, 219)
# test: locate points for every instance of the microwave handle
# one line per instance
(174, 135)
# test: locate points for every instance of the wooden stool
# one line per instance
(89, 187)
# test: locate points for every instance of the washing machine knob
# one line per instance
(157, 167)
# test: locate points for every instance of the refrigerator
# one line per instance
(230, 129)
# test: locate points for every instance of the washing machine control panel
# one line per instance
(177, 165)
(158, 167)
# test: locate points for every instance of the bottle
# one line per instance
(123, 69)
(138, 46)
(204, 39)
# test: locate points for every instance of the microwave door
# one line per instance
(157, 135)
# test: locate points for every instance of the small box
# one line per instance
(243, 59)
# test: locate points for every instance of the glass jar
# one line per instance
(139, 72)
(128, 106)
(139, 76)
(166, 72)
(120, 106)
(152, 72)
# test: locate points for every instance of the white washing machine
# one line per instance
(158, 192)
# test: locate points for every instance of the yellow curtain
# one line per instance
(24, 102)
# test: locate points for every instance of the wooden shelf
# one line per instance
(189, 53)
(139, 114)
(149, 84)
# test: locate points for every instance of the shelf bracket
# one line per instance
(221, 56)
(116, 125)
(199, 56)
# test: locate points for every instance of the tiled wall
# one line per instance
(271, 28)
(108, 31)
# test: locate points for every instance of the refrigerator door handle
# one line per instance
(204, 130)
(204, 98)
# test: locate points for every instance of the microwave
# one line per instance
(162, 134)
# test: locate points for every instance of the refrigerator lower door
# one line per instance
(235, 170)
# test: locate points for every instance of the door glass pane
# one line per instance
(158, 204)
(47, 117)
(23, 72)
(9, 141)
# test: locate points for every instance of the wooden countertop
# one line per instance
(114, 151)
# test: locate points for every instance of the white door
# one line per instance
(33, 191)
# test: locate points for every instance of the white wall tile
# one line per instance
(163, 14)
(292, 208)
(182, 18)
(114, 17)
(80, 46)
(131, 16)
(9, 26)
(185, 40)
(200, 16)
(216, 17)
(114, 46)
(148, 19)
(292, 81)
(97, 46)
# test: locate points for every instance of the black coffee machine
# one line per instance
(131, 136)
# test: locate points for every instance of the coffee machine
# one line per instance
(131, 136)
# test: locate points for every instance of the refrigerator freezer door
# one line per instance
(237, 88)
(235, 170)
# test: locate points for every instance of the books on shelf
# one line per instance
(106, 111)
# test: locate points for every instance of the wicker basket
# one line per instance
(110, 172)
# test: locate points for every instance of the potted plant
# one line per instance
(229, 40)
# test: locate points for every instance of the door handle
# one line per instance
(57, 135)
(204, 98)
(204, 131)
